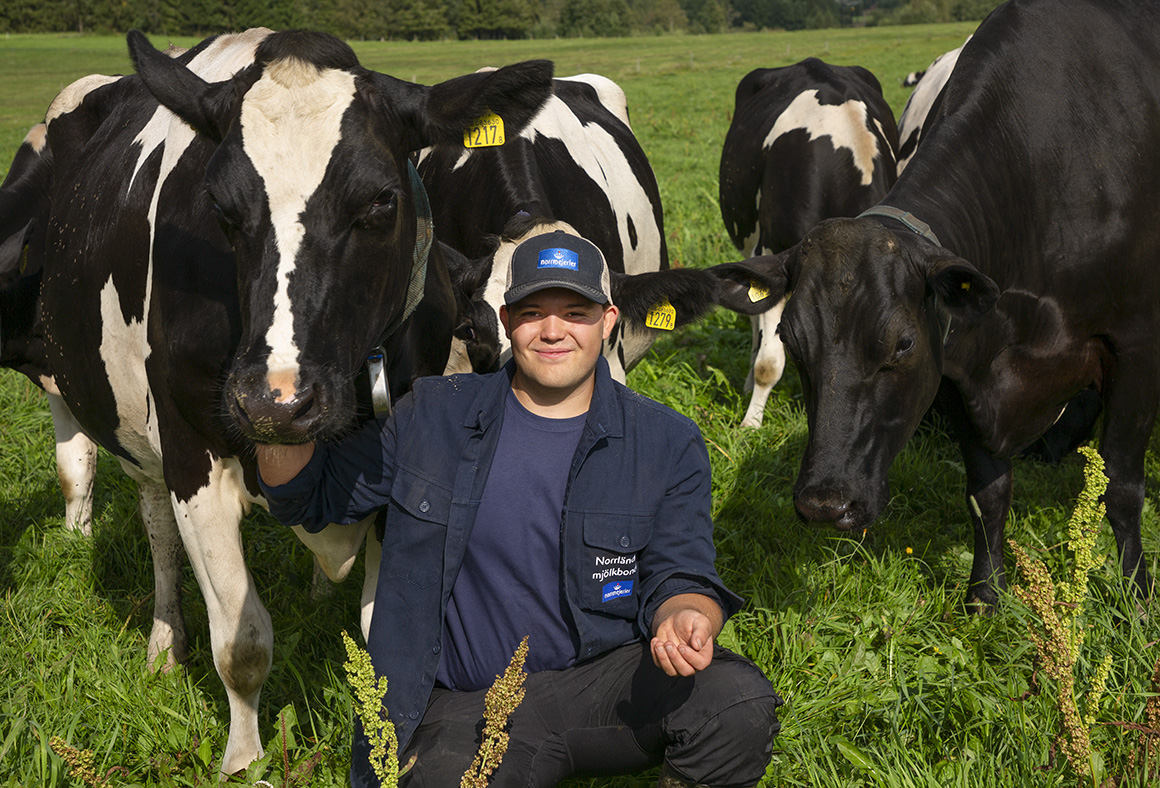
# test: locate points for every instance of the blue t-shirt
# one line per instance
(510, 583)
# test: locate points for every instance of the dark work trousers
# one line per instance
(616, 714)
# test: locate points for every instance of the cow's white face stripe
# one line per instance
(291, 122)
(844, 124)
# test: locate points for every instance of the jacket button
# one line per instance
(424, 507)
(436, 649)
(414, 715)
(625, 541)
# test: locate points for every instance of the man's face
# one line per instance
(556, 337)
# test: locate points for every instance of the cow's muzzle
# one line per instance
(265, 414)
(822, 504)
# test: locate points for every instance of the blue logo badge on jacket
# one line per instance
(559, 258)
(616, 589)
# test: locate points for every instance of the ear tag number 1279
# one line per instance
(662, 316)
(485, 132)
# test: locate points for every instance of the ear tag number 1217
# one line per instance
(485, 132)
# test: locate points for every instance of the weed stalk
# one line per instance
(1058, 632)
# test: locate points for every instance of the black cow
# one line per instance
(576, 167)
(24, 207)
(807, 142)
(1015, 263)
(233, 231)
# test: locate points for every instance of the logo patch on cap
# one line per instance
(616, 589)
(559, 258)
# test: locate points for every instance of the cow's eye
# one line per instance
(384, 200)
(904, 346)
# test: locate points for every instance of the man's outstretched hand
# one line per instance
(684, 629)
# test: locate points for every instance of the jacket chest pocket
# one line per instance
(612, 546)
(416, 530)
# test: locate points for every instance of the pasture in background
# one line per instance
(889, 682)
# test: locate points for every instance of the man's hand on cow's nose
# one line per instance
(278, 464)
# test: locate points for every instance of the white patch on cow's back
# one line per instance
(918, 105)
(598, 155)
(124, 348)
(608, 93)
(291, 121)
(37, 137)
(844, 124)
(72, 95)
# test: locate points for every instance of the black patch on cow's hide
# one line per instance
(631, 231)
(320, 49)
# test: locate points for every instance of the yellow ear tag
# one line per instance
(662, 316)
(757, 292)
(485, 132)
(965, 285)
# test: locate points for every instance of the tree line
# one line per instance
(472, 19)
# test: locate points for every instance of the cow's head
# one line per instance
(865, 326)
(311, 182)
(24, 208)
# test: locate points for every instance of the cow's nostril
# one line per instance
(307, 404)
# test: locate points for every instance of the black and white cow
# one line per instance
(576, 166)
(232, 232)
(1015, 263)
(807, 142)
(913, 119)
(24, 207)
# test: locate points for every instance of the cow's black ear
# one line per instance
(960, 287)
(440, 114)
(752, 286)
(209, 107)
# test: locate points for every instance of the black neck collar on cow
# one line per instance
(912, 222)
(416, 285)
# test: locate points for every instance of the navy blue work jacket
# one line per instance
(636, 508)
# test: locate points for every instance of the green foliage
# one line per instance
(370, 707)
(1060, 626)
(594, 18)
(499, 703)
(495, 19)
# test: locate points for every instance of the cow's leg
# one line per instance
(1131, 407)
(989, 483)
(168, 634)
(374, 555)
(76, 466)
(768, 363)
(239, 626)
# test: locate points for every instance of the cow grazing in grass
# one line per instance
(24, 207)
(575, 165)
(1015, 263)
(916, 114)
(232, 232)
(807, 142)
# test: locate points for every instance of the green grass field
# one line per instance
(888, 681)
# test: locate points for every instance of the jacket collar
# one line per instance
(604, 417)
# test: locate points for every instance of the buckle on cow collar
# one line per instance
(912, 222)
(380, 394)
